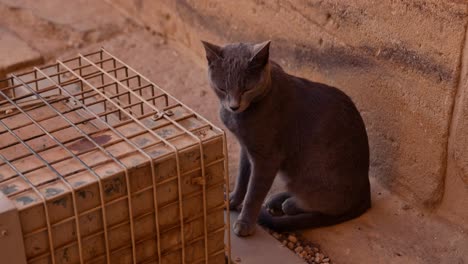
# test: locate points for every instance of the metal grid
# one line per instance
(100, 91)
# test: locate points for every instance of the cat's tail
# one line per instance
(305, 220)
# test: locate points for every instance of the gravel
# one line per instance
(309, 252)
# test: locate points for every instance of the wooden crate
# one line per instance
(100, 165)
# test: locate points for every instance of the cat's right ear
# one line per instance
(213, 52)
(261, 53)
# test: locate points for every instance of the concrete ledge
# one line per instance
(16, 54)
(393, 232)
(260, 248)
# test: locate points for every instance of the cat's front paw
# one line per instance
(243, 228)
(235, 203)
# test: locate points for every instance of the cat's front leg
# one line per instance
(263, 174)
(236, 197)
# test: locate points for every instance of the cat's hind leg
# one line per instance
(291, 206)
(274, 204)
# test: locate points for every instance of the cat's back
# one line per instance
(314, 99)
(319, 94)
(325, 128)
(321, 113)
(306, 90)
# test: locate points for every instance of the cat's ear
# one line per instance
(213, 52)
(261, 54)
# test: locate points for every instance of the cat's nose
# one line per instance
(233, 103)
(234, 107)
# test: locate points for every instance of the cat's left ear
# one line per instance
(213, 52)
(261, 54)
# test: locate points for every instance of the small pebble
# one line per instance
(292, 238)
(276, 235)
(298, 249)
(237, 259)
(302, 248)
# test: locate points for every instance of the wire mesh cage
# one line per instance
(103, 166)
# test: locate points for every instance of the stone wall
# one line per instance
(399, 60)
(455, 200)
(20, 54)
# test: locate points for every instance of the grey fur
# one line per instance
(309, 133)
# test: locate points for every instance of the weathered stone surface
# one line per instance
(253, 250)
(81, 15)
(455, 201)
(15, 53)
(392, 233)
(458, 144)
(52, 26)
(398, 60)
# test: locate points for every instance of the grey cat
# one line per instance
(308, 133)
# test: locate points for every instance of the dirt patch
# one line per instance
(308, 251)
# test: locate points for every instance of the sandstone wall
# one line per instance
(399, 60)
(455, 200)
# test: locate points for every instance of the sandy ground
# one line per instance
(391, 232)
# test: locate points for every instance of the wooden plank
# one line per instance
(11, 237)
(25, 105)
